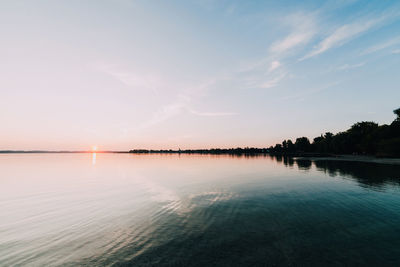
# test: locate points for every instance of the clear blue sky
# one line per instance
(166, 74)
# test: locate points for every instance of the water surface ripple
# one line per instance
(196, 210)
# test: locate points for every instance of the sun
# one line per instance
(94, 148)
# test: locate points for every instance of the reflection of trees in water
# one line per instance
(303, 164)
(370, 174)
(365, 173)
(288, 161)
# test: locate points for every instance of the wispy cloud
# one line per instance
(351, 66)
(302, 30)
(186, 93)
(132, 79)
(167, 111)
(262, 74)
(381, 46)
(290, 41)
(269, 71)
(272, 82)
(309, 92)
(397, 51)
(180, 106)
(341, 35)
(274, 65)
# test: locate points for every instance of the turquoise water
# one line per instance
(196, 210)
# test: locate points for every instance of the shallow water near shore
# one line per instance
(196, 210)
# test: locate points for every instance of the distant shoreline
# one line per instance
(236, 151)
(54, 152)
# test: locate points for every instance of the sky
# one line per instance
(128, 74)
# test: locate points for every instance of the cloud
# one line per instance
(340, 36)
(164, 113)
(274, 65)
(348, 66)
(309, 92)
(272, 82)
(185, 93)
(132, 79)
(303, 29)
(348, 32)
(259, 78)
(290, 41)
(397, 51)
(181, 105)
(381, 46)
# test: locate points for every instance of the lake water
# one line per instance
(196, 210)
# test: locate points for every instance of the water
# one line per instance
(194, 210)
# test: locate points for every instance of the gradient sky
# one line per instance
(193, 74)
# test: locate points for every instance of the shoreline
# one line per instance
(304, 156)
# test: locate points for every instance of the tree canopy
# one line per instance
(366, 137)
(397, 112)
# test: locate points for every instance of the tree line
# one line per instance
(364, 138)
(232, 151)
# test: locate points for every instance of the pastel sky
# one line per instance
(128, 74)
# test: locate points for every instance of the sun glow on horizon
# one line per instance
(94, 148)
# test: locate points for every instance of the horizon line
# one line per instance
(9, 151)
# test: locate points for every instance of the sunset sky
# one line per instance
(193, 74)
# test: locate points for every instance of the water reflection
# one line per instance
(197, 210)
(367, 174)
(93, 158)
(374, 175)
(304, 164)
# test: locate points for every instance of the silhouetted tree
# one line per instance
(361, 137)
(278, 148)
(302, 144)
(284, 145)
(364, 137)
(397, 112)
(290, 146)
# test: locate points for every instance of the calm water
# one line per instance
(192, 210)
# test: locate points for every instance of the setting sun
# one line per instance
(94, 148)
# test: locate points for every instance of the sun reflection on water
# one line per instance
(93, 158)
